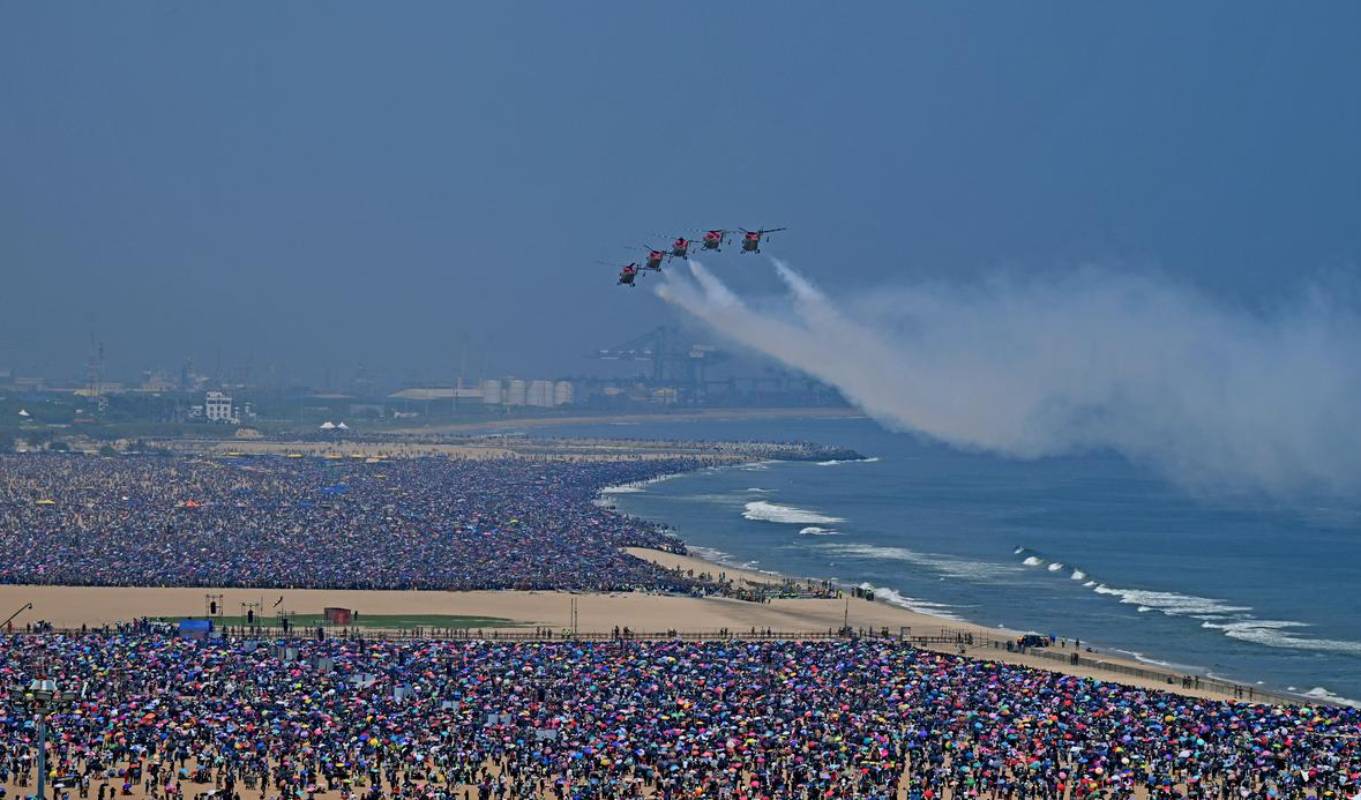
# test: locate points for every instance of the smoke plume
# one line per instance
(1213, 397)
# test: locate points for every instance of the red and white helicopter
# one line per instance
(715, 239)
(751, 240)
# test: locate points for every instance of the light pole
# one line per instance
(44, 696)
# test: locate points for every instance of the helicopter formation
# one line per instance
(711, 240)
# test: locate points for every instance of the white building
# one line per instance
(515, 393)
(563, 393)
(217, 407)
(491, 392)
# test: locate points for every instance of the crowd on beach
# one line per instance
(415, 523)
(869, 718)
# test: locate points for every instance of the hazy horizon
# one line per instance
(311, 188)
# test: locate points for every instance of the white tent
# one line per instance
(328, 425)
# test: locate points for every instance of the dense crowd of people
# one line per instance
(868, 718)
(414, 523)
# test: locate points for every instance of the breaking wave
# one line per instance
(949, 566)
(1170, 603)
(1320, 693)
(814, 530)
(910, 603)
(1276, 633)
(762, 511)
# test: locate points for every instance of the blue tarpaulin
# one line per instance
(195, 628)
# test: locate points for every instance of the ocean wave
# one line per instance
(1018, 551)
(1173, 604)
(757, 490)
(1276, 633)
(1033, 561)
(626, 488)
(1055, 567)
(895, 598)
(1143, 659)
(833, 462)
(949, 566)
(1320, 693)
(728, 559)
(813, 530)
(713, 554)
(1078, 575)
(762, 511)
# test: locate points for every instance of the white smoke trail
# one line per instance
(1214, 398)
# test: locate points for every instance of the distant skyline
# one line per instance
(320, 186)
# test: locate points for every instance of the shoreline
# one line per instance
(1106, 663)
(1118, 659)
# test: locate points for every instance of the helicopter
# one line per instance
(627, 273)
(751, 240)
(714, 239)
(654, 258)
(681, 247)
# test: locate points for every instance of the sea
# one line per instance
(1088, 547)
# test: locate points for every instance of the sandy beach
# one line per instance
(643, 613)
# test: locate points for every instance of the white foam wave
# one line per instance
(949, 566)
(1276, 633)
(814, 530)
(1018, 551)
(762, 511)
(1320, 693)
(758, 490)
(626, 488)
(1140, 657)
(1055, 567)
(1089, 584)
(1170, 603)
(833, 462)
(724, 558)
(910, 603)
(1078, 575)
(1033, 561)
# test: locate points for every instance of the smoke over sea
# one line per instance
(1216, 398)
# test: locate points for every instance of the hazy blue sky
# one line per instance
(306, 184)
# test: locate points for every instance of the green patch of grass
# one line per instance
(400, 622)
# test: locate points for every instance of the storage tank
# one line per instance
(491, 392)
(563, 393)
(540, 393)
(515, 394)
